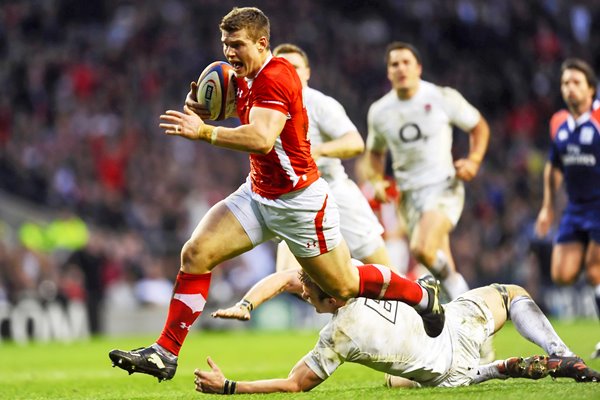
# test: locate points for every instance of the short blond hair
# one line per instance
(289, 48)
(252, 19)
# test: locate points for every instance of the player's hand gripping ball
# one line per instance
(217, 90)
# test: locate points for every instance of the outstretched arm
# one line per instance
(263, 290)
(300, 379)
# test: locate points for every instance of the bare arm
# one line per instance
(258, 136)
(552, 180)
(300, 379)
(346, 146)
(372, 167)
(467, 168)
(265, 289)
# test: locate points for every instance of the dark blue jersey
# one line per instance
(576, 152)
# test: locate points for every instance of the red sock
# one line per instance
(189, 297)
(379, 282)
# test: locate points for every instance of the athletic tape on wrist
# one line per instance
(247, 303)
(229, 387)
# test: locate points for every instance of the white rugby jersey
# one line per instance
(418, 132)
(327, 120)
(394, 327)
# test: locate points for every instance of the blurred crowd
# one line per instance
(85, 81)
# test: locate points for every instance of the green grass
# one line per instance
(82, 370)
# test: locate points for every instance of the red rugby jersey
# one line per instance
(289, 165)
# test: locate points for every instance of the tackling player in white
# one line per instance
(388, 336)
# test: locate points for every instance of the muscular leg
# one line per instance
(218, 237)
(567, 259)
(592, 270)
(337, 276)
(379, 256)
(527, 317)
(430, 245)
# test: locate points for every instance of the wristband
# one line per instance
(247, 304)
(213, 135)
(229, 387)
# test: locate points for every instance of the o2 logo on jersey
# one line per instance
(410, 133)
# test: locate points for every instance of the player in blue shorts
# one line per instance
(575, 161)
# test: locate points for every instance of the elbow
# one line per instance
(359, 148)
(263, 146)
(297, 388)
(264, 150)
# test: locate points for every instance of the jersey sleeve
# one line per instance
(460, 112)
(332, 118)
(375, 138)
(323, 360)
(273, 94)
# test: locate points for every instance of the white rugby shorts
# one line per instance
(307, 220)
(359, 225)
(447, 197)
(470, 322)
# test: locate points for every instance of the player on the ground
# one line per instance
(282, 197)
(332, 137)
(387, 336)
(575, 160)
(414, 122)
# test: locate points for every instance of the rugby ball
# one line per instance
(216, 90)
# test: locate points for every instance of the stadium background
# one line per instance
(95, 203)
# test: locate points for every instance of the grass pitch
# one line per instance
(82, 370)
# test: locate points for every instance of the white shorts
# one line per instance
(447, 197)
(359, 225)
(307, 219)
(470, 322)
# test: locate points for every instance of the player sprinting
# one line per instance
(575, 160)
(282, 197)
(414, 122)
(388, 336)
(333, 137)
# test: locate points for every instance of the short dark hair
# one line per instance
(288, 48)
(252, 19)
(401, 46)
(581, 66)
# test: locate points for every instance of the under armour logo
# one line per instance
(310, 245)
(183, 325)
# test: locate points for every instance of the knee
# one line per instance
(562, 278)
(515, 291)
(193, 260)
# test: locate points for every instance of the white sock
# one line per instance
(533, 325)
(440, 268)
(455, 285)
(488, 371)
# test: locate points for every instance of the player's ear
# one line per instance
(263, 44)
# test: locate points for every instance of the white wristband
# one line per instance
(213, 135)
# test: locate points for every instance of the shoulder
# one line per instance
(383, 102)
(596, 115)
(557, 120)
(447, 93)
(278, 68)
(318, 98)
